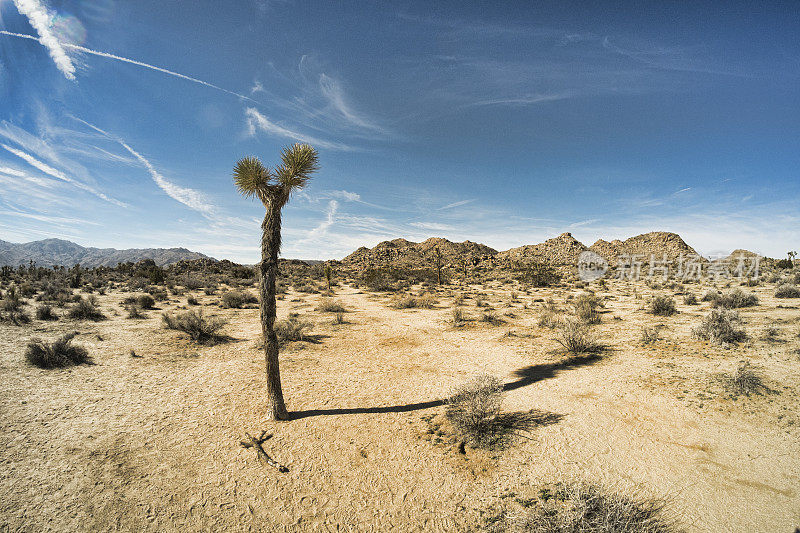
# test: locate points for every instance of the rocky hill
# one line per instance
(51, 252)
(407, 254)
(558, 251)
(656, 243)
(561, 251)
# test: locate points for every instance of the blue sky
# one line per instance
(500, 123)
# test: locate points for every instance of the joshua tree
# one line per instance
(273, 187)
(791, 255)
(328, 274)
(438, 259)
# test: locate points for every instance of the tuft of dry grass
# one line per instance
(720, 326)
(45, 312)
(586, 308)
(588, 508)
(473, 408)
(293, 329)
(577, 339)
(201, 329)
(662, 305)
(649, 335)
(86, 309)
(746, 380)
(58, 354)
(787, 290)
(329, 305)
(550, 319)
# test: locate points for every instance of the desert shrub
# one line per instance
(237, 299)
(587, 508)
(86, 309)
(472, 409)
(58, 354)
(292, 329)
(746, 380)
(576, 338)
(405, 302)
(338, 318)
(690, 299)
(191, 300)
(735, 299)
(784, 263)
(537, 274)
(458, 316)
(550, 319)
(586, 308)
(490, 317)
(649, 335)
(720, 326)
(787, 291)
(134, 311)
(208, 291)
(201, 329)
(329, 305)
(458, 300)
(480, 302)
(771, 334)
(45, 312)
(142, 301)
(710, 295)
(192, 283)
(426, 301)
(662, 306)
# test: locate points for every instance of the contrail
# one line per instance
(131, 61)
(189, 197)
(41, 20)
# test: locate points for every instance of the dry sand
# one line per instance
(151, 443)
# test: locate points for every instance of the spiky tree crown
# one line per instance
(253, 178)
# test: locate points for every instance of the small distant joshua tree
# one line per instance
(274, 188)
(438, 259)
(791, 255)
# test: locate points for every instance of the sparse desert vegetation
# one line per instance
(411, 384)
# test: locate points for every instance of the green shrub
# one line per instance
(58, 354)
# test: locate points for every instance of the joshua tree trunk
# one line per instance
(270, 245)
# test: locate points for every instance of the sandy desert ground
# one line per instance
(151, 443)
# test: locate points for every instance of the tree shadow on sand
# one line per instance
(526, 376)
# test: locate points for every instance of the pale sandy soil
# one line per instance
(152, 443)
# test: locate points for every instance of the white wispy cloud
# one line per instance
(257, 121)
(189, 197)
(432, 226)
(41, 19)
(332, 91)
(47, 169)
(456, 204)
(98, 53)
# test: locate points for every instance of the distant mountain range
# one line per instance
(51, 252)
(563, 250)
